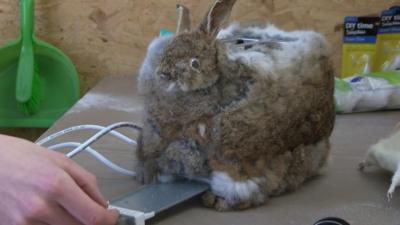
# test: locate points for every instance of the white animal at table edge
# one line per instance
(386, 155)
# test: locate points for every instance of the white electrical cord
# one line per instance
(84, 127)
(101, 133)
(78, 147)
(95, 154)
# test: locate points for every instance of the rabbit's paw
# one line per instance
(228, 194)
(210, 200)
(146, 172)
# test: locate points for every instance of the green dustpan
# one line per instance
(59, 78)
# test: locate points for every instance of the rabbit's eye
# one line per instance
(195, 64)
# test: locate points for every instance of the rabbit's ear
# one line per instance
(183, 19)
(216, 16)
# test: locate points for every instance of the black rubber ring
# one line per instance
(331, 221)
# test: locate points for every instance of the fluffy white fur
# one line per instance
(289, 51)
(233, 192)
(202, 129)
(166, 178)
(386, 154)
(318, 152)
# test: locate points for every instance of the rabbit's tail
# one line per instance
(285, 173)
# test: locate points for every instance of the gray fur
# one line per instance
(147, 70)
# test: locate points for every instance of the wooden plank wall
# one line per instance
(109, 37)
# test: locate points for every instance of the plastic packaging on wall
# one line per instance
(388, 41)
(358, 49)
(375, 91)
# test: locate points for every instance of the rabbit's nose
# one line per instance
(180, 74)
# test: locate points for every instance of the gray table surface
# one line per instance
(341, 190)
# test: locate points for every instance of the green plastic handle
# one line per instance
(25, 70)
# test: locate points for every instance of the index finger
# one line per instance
(85, 180)
(82, 207)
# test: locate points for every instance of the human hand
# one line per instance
(39, 186)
